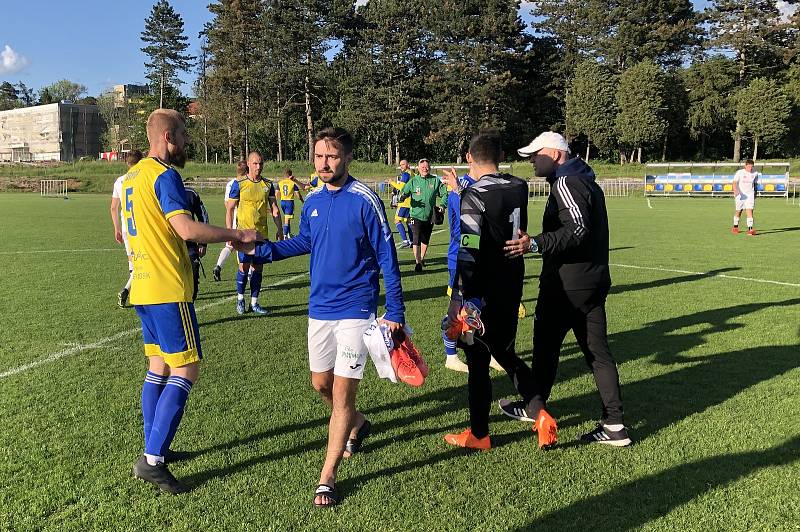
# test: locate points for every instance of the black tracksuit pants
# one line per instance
(499, 318)
(583, 311)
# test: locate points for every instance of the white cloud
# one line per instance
(786, 9)
(11, 61)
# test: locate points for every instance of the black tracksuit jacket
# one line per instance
(574, 237)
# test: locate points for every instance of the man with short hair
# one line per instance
(344, 228)
(573, 286)
(120, 231)
(225, 252)
(427, 194)
(745, 181)
(157, 216)
(253, 199)
(288, 189)
(402, 214)
(492, 211)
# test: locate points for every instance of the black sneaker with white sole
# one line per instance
(515, 409)
(601, 434)
(122, 298)
(217, 273)
(158, 475)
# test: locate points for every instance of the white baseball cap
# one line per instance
(548, 139)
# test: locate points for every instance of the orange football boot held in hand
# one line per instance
(407, 363)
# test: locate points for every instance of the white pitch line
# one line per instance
(648, 203)
(750, 279)
(124, 334)
(60, 251)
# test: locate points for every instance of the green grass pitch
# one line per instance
(707, 352)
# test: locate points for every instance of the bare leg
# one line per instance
(343, 416)
(323, 384)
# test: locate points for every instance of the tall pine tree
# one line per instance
(165, 47)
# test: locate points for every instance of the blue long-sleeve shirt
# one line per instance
(350, 242)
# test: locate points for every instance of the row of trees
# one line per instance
(14, 96)
(626, 79)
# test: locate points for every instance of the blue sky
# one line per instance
(92, 42)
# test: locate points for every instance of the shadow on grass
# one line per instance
(655, 403)
(638, 502)
(618, 289)
(280, 312)
(661, 340)
(780, 230)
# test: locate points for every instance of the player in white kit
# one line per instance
(241, 171)
(745, 181)
(120, 227)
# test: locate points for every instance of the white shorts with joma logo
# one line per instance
(338, 345)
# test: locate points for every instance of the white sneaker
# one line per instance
(496, 365)
(456, 365)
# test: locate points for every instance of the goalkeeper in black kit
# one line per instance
(484, 307)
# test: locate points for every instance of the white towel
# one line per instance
(379, 342)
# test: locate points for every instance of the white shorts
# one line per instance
(748, 203)
(338, 345)
(127, 249)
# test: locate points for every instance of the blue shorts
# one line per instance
(287, 206)
(244, 258)
(170, 331)
(402, 215)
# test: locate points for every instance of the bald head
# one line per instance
(166, 133)
(163, 121)
(255, 164)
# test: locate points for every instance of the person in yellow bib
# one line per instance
(253, 200)
(287, 190)
(157, 217)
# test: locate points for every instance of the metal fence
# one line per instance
(539, 189)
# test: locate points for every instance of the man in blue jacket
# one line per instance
(344, 228)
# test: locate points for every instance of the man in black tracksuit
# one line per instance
(573, 284)
(493, 210)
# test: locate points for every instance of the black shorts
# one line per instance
(422, 231)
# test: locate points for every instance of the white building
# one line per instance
(54, 132)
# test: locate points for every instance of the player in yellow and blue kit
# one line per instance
(253, 199)
(402, 216)
(314, 182)
(287, 190)
(158, 221)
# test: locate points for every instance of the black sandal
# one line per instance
(327, 491)
(354, 444)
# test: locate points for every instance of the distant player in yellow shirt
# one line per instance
(253, 200)
(288, 188)
(156, 215)
(402, 216)
(314, 182)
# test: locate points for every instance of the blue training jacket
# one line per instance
(350, 243)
